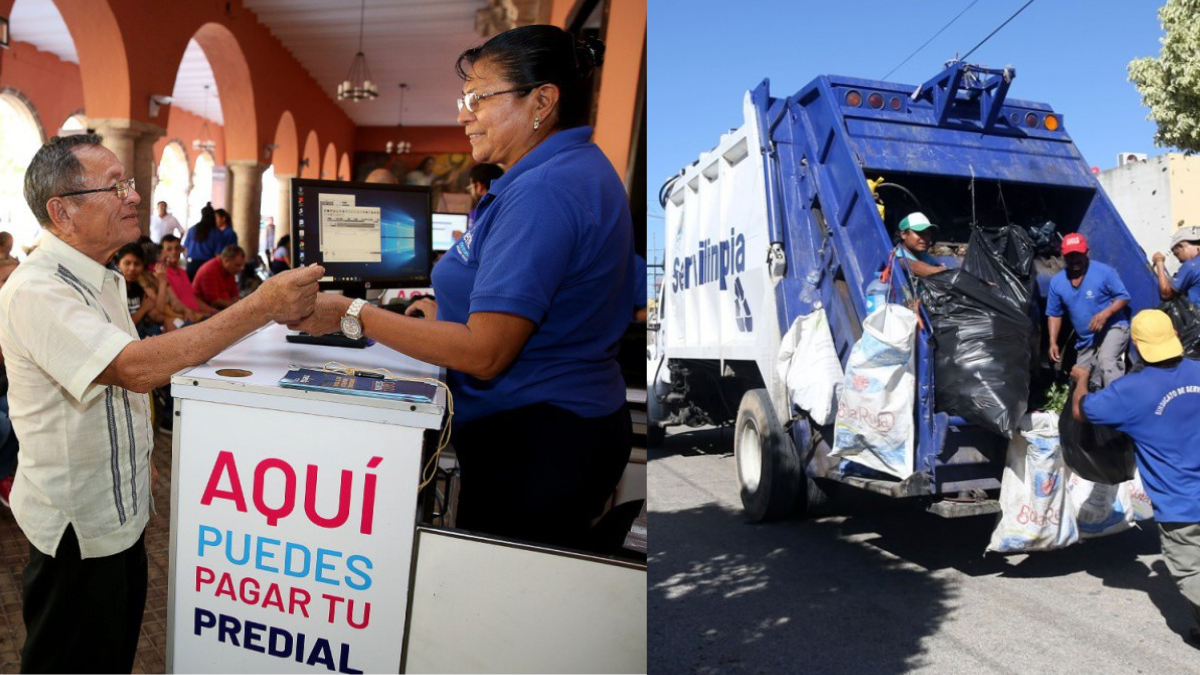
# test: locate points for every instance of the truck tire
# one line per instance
(769, 469)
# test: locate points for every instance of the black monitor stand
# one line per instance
(355, 291)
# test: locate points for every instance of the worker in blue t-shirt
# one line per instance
(1185, 245)
(1093, 295)
(1158, 407)
(916, 236)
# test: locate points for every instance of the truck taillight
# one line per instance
(1051, 123)
(875, 100)
(853, 98)
(895, 103)
(1031, 120)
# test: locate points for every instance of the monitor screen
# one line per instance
(366, 235)
(444, 227)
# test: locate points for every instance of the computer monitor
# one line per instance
(444, 227)
(366, 235)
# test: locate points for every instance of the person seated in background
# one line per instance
(916, 237)
(1185, 245)
(164, 311)
(1094, 296)
(216, 281)
(281, 257)
(6, 246)
(195, 309)
(142, 300)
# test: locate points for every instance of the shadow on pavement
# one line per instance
(702, 441)
(762, 606)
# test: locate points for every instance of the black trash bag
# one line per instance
(1003, 257)
(981, 365)
(1095, 452)
(1186, 318)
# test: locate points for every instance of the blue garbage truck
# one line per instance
(796, 211)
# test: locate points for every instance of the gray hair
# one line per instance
(55, 170)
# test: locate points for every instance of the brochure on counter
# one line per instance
(358, 385)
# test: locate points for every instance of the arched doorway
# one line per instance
(310, 166)
(202, 188)
(75, 124)
(329, 167)
(269, 233)
(173, 180)
(20, 138)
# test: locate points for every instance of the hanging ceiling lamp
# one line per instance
(358, 84)
(400, 147)
(204, 142)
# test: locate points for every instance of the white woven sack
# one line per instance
(808, 363)
(875, 412)
(1100, 509)
(1138, 499)
(1036, 512)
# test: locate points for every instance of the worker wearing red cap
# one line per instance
(1093, 296)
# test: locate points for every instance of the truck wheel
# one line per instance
(769, 469)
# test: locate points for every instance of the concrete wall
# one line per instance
(1141, 191)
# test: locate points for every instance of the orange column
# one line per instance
(625, 40)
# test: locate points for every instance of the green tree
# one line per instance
(1170, 84)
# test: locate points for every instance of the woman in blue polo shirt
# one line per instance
(532, 301)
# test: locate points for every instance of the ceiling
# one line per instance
(410, 41)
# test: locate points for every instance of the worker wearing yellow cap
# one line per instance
(1158, 408)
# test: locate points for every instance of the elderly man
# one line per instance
(1158, 408)
(78, 377)
(216, 280)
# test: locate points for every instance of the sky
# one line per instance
(1072, 54)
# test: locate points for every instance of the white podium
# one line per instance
(292, 513)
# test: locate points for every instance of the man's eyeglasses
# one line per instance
(471, 101)
(122, 189)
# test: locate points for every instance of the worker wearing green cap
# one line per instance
(916, 237)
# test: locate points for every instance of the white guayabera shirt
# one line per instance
(85, 447)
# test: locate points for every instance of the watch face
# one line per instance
(350, 327)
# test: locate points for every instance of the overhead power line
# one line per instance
(989, 37)
(918, 50)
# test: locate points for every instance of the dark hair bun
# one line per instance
(589, 52)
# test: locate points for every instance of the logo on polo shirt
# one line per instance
(1089, 294)
(464, 246)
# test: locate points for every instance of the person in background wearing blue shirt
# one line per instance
(531, 302)
(916, 236)
(1158, 407)
(1185, 245)
(1093, 295)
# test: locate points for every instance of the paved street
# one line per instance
(885, 588)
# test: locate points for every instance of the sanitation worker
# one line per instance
(1185, 246)
(1158, 407)
(1098, 304)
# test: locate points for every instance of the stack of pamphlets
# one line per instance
(358, 385)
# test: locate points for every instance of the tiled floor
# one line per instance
(14, 554)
